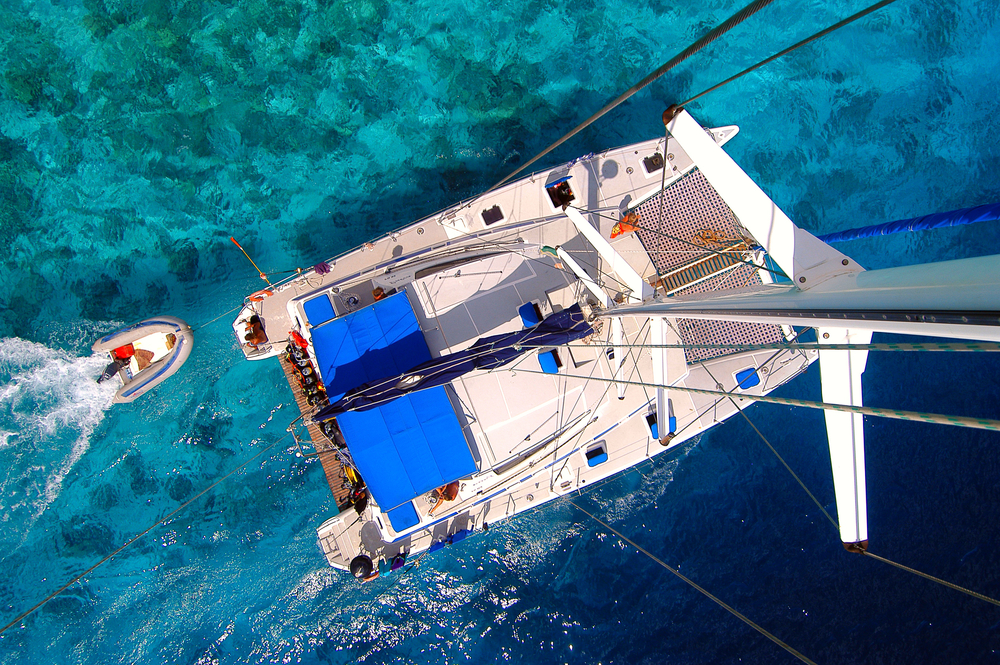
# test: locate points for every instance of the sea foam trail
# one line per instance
(50, 404)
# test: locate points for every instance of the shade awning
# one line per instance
(407, 447)
(486, 353)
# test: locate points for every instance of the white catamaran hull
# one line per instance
(546, 424)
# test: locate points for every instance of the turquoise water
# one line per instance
(136, 138)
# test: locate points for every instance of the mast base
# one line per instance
(859, 547)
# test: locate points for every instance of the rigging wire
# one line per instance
(946, 583)
(635, 356)
(781, 459)
(836, 526)
(821, 33)
(160, 521)
(715, 599)
(705, 40)
(895, 414)
(956, 347)
(860, 550)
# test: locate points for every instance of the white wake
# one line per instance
(50, 404)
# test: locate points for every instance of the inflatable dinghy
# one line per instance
(144, 354)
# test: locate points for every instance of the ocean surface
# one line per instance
(137, 137)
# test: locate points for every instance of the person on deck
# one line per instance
(255, 332)
(448, 492)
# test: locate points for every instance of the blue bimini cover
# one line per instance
(406, 447)
(380, 340)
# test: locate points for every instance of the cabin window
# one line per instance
(492, 215)
(653, 163)
(597, 454)
(747, 378)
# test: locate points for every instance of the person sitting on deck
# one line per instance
(447, 493)
(255, 332)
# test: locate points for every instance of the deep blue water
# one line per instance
(137, 137)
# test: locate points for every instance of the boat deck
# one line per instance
(333, 468)
(555, 419)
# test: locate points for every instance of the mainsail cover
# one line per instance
(487, 353)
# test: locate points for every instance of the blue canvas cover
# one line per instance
(318, 310)
(404, 517)
(379, 340)
(487, 353)
(409, 446)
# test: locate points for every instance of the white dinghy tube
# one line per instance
(151, 335)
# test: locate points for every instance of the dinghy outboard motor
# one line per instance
(361, 566)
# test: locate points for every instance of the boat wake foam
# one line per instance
(50, 404)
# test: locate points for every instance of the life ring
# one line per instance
(257, 296)
(298, 339)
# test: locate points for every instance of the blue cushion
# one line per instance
(318, 310)
(529, 317)
(403, 517)
(747, 378)
(547, 360)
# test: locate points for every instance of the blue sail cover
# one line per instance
(487, 353)
(405, 448)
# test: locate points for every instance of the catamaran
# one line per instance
(527, 343)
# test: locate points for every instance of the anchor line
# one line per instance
(715, 599)
(162, 520)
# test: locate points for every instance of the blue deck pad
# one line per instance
(383, 339)
(403, 517)
(318, 310)
(407, 447)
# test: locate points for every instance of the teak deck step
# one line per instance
(336, 475)
(702, 268)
